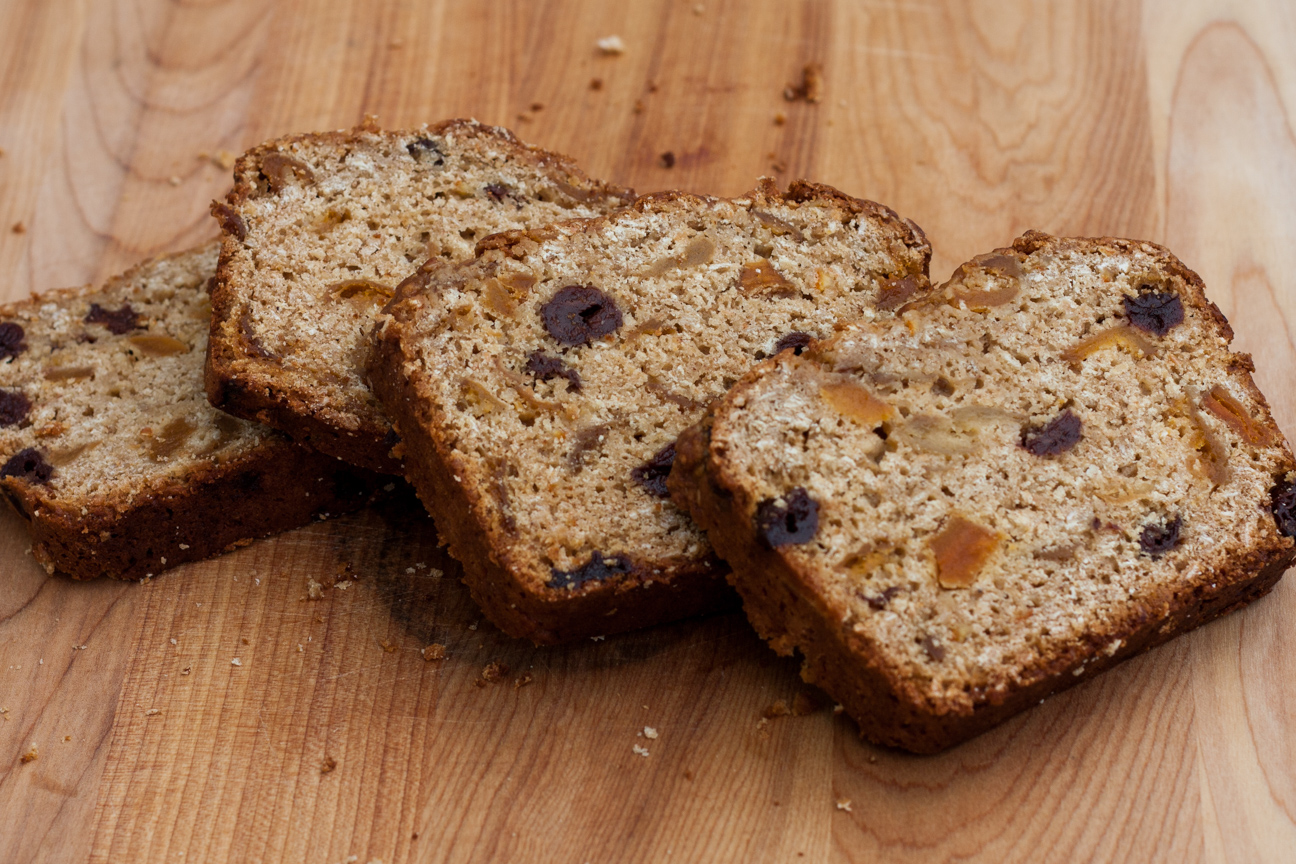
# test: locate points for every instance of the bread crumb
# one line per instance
(668, 159)
(537, 106)
(67, 737)
(780, 118)
(342, 586)
(611, 45)
(435, 651)
(314, 590)
(244, 640)
(221, 158)
(328, 764)
(236, 662)
(152, 712)
(844, 804)
(597, 638)
(389, 647)
(472, 626)
(698, 8)
(186, 670)
(641, 751)
(522, 680)
(409, 571)
(596, 84)
(173, 180)
(30, 756)
(493, 672)
(778, 709)
(650, 733)
(19, 228)
(810, 89)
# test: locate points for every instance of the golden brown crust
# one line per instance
(275, 488)
(789, 610)
(248, 381)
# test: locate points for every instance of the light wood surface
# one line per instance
(1170, 120)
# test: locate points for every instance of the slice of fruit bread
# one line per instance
(318, 231)
(108, 448)
(539, 389)
(1048, 465)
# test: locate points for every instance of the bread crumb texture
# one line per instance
(553, 373)
(320, 229)
(1012, 478)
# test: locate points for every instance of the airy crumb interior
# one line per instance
(1011, 465)
(114, 399)
(679, 299)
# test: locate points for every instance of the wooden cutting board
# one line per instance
(332, 739)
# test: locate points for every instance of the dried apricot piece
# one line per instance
(1234, 413)
(962, 548)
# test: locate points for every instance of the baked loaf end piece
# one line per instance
(319, 230)
(1046, 466)
(109, 449)
(539, 389)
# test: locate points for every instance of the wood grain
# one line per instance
(1159, 119)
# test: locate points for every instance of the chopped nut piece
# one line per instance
(962, 548)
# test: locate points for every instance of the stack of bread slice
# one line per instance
(952, 501)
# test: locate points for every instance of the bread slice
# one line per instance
(319, 230)
(539, 389)
(109, 449)
(1048, 465)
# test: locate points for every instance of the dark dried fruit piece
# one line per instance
(426, 150)
(29, 465)
(1154, 311)
(792, 519)
(579, 314)
(933, 649)
(881, 601)
(1056, 437)
(1156, 540)
(546, 366)
(597, 568)
(498, 192)
(796, 340)
(12, 340)
(230, 221)
(14, 407)
(652, 474)
(117, 321)
(1282, 504)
